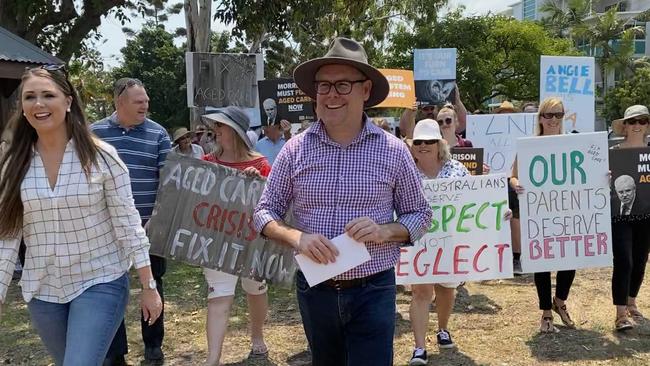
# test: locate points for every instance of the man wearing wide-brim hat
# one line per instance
(183, 144)
(634, 113)
(344, 175)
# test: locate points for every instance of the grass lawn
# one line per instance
(494, 323)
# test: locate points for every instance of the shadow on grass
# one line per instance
(474, 304)
(584, 344)
(253, 361)
(300, 359)
(452, 357)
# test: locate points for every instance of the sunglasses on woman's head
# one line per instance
(447, 120)
(634, 121)
(426, 142)
(558, 115)
(54, 67)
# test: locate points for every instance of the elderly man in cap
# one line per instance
(345, 175)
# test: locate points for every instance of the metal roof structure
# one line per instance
(16, 49)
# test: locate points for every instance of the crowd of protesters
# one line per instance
(79, 199)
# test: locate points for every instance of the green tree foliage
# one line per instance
(628, 92)
(152, 57)
(497, 56)
(93, 83)
(292, 31)
(61, 27)
(563, 17)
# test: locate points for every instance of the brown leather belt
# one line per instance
(353, 283)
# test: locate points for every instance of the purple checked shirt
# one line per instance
(328, 185)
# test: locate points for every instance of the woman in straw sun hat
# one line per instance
(630, 234)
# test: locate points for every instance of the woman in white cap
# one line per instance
(433, 159)
(549, 122)
(183, 144)
(234, 150)
(630, 233)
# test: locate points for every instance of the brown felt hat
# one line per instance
(343, 51)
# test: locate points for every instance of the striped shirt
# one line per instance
(143, 148)
(328, 185)
(79, 234)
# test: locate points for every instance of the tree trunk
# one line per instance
(198, 17)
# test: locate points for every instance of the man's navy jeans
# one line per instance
(353, 326)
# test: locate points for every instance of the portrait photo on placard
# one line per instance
(630, 184)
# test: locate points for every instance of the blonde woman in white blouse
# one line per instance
(68, 195)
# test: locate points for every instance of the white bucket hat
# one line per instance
(427, 129)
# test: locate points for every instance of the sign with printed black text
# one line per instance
(471, 157)
(630, 181)
(281, 99)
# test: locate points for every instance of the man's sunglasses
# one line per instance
(426, 142)
(447, 120)
(634, 121)
(129, 83)
(558, 115)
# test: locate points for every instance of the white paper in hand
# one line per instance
(351, 254)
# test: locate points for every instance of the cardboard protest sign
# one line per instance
(468, 239)
(572, 79)
(203, 217)
(497, 134)
(630, 190)
(434, 71)
(402, 89)
(471, 157)
(282, 99)
(565, 209)
(223, 79)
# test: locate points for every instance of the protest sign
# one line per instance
(497, 134)
(468, 240)
(572, 79)
(565, 209)
(402, 89)
(434, 71)
(630, 190)
(282, 99)
(471, 157)
(223, 79)
(203, 217)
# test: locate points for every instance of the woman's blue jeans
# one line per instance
(78, 333)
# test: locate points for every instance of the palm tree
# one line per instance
(611, 40)
(561, 19)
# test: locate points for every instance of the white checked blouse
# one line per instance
(81, 233)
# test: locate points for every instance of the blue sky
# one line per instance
(114, 39)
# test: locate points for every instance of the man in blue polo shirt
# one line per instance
(143, 146)
(273, 140)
